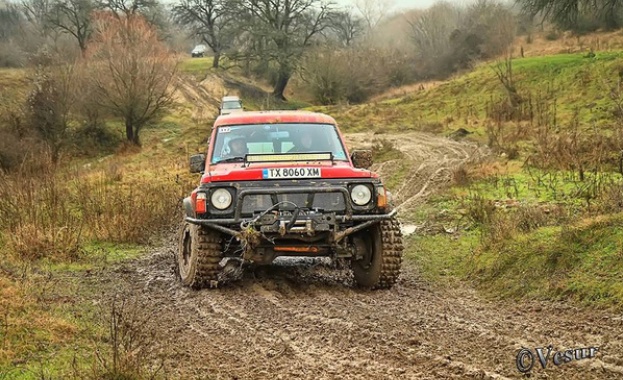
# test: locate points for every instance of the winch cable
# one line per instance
(295, 215)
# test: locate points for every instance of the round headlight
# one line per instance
(361, 195)
(221, 199)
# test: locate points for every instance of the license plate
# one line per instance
(291, 173)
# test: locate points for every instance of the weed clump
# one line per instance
(385, 150)
(51, 213)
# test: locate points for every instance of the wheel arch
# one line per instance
(188, 208)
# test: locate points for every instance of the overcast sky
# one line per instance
(402, 4)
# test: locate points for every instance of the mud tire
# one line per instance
(382, 269)
(198, 256)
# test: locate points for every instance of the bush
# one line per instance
(552, 35)
(385, 150)
(46, 213)
(356, 74)
(448, 38)
(11, 55)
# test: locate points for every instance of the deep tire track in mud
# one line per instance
(306, 321)
(431, 161)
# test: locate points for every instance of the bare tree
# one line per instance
(431, 31)
(374, 11)
(346, 26)
(127, 7)
(212, 20)
(283, 30)
(566, 13)
(36, 13)
(494, 22)
(50, 102)
(73, 17)
(10, 20)
(131, 71)
(151, 10)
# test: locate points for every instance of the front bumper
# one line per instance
(279, 220)
(366, 221)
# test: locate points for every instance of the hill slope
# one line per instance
(569, 82)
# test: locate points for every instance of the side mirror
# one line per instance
(197, 163)
(362, 159)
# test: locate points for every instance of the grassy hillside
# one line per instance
(570, 82)
(542, 218)
(517, 235)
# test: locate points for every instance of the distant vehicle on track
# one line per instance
(230, 104)
(198, 51)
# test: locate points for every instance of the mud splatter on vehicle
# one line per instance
(283, 184)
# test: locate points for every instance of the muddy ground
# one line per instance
(304, 320)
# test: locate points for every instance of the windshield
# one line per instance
(239, 140)
(231, 105)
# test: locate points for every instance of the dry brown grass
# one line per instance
(51, 213)
(567, 43)
(500, 222)
(126, 349)
(409, 89)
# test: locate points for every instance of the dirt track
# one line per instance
(305, 321)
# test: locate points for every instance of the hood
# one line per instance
(233, 172)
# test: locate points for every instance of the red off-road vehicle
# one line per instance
(282, 183)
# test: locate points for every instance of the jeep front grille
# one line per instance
(331, 202)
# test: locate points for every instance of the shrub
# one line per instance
(48, 213)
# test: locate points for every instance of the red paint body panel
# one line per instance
(238, 172)
(274, 117)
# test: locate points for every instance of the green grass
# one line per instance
(584, 263)
(532, 186)
(523, 252)
(196, 67)
(51, 325)
(574, 81)
(96, 255)
(441, 258)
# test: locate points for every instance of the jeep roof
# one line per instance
(273, 117)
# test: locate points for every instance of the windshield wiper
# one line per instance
(230, 159)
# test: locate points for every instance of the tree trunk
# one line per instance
(129, 130)
(137, 128)
(217, 58)
(280, 85)
(135, 139)
(83, 46)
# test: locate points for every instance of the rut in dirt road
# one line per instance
(303, 319)
(431, 163)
